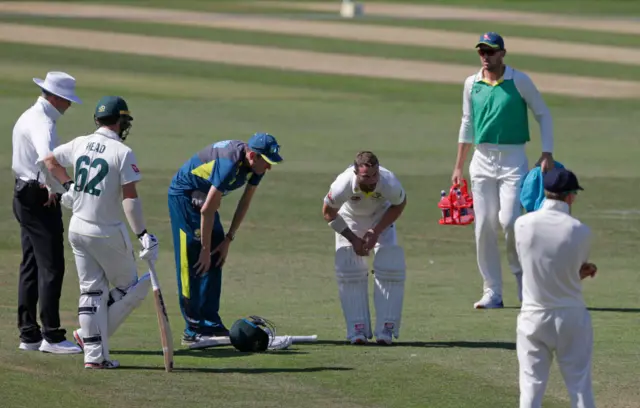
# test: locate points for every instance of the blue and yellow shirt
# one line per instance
(220, 165)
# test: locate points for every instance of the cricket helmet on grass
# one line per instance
(252, 334)
(111, 110)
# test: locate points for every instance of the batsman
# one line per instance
(106, 174)
(199, 240)
(362, 207)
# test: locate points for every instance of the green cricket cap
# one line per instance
(491, 39)
(112, 106)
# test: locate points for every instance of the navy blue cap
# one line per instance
(560, 180)
(491, 39)
(267, 146)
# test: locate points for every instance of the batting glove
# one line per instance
(68, 197)
(150, 246)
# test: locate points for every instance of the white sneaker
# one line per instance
(64, 347)
(489, 300)
(29, 346)
(359, 339)
(102, 366)
(519, 282)
(384, 340)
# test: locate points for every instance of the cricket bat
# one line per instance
(166, 337)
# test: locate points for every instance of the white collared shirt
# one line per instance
(552, 246)
(102, 164)
(34, 137)
(345, 195)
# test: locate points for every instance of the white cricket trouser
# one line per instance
(360, 225)
(104, 257)
(568, 333)
(496, 173)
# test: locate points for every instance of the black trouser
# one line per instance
(42, 266)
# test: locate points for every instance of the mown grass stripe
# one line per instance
(323, 29)
(579, 8)
(555, 65)
(429, 11)
(388, 90)
(305, 61)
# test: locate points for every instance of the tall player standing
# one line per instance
(495, 120)
(362, 207)
(106, 174)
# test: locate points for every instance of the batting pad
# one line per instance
(92, 316)
(388, 293)
(122, 308)
(352, 277)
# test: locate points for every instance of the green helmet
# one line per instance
(111, 110)
(252, 334)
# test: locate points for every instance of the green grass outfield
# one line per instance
(281, 263)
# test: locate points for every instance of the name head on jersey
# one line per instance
(264, 151)
(367, 169)
(113, 112)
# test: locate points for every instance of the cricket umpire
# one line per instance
(38, 212)
(495, 108)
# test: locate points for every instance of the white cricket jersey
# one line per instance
(552, 246)
(102, 164)
(345, 195)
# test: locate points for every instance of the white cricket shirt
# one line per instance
(34, 137)
(102, 164)
(552, 246)
(345, 195)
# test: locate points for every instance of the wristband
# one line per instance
(140, 235)
(67, 185)
(338, 224)
(230, 236)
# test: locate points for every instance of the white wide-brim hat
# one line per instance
(60, 84)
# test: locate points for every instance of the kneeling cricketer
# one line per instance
(362, 207)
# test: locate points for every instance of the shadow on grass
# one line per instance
(238, 370)
(598, 309)
(613, 309)
(208, 352)
(462, 344)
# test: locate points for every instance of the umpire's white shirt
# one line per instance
(552, 246)
(34, 136)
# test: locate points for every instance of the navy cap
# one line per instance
(560, 180)
(491, 39)
(267, 146)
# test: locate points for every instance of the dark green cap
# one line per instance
(247, 335)
(112, 106)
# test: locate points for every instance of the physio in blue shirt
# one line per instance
(199, 241)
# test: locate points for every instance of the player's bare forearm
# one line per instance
(56, 169)
(242, 208)
(330, 214)
(207, 216)
(461, 157)
(390, 216)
